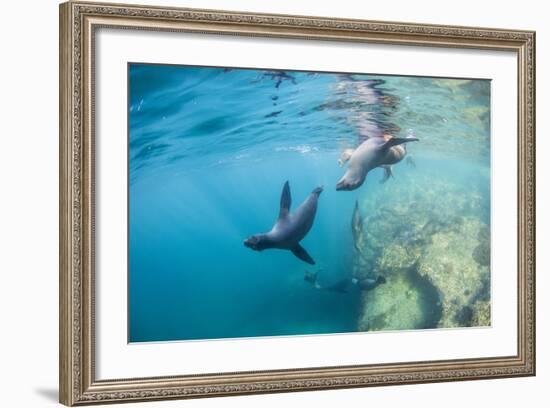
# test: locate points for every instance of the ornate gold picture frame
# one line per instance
(79, 22)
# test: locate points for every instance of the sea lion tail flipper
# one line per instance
(301, 253)
(286, 200)
(394, 141)
(387, 174)
(410, 161)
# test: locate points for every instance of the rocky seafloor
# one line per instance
(433, 247)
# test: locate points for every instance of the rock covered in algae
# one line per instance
(481, 315)
(433, 248)
(397, 258)
(482, 252)
(449, 264)
(403, 302)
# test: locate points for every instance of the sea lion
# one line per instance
(341, 286)
(357, 232)
(396, 154)
(373, 152)
(289, 229)
(357, 227)
(346, 285)
(279, 77)
(369, 283)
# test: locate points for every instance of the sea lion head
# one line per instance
(349, 182)
(257, 242)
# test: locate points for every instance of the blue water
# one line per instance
(209, 152)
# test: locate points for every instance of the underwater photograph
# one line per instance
(277, 202)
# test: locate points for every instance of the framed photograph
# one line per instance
(256, 203)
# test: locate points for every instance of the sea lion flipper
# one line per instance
(286, 200)
(387, 174)
(345, 156)
(301, 253)
(394, 141)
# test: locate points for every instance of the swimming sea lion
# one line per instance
(373, 152)
(396, 154)
(346, 285)
(357, 227)
(369, 283)
(341, 286)
(289, 229)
